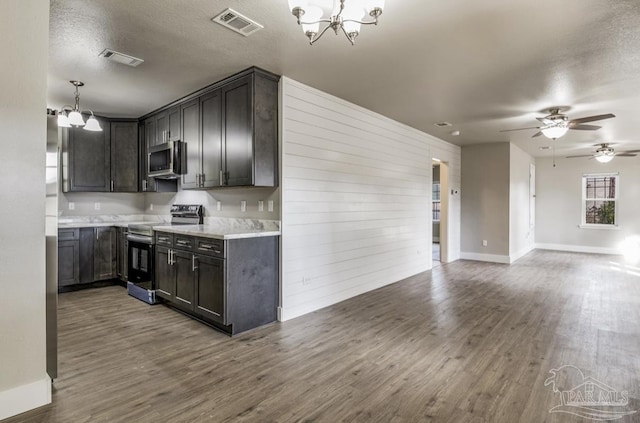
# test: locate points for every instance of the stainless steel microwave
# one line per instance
(166, 161)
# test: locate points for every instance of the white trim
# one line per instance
(491, 258)
(25, 397)
(521, 253)
(579, 248)
(599, 226)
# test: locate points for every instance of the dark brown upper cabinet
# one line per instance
(237, 130)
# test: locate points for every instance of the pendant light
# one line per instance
(71, 116)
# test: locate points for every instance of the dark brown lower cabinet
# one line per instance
(86, 255)
(231, 285)
(165, 274)
(68, 263)
(210, 289)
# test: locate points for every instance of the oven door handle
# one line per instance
(140, 238)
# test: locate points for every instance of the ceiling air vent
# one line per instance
(237, 22)
(442, 124)
(125, 59)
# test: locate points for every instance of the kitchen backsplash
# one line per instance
(230, 202)
(98, 204)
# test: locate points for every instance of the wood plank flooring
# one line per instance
(465, 342)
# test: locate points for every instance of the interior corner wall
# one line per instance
(356, 199)
(521, 234)
(485, 202)
(559, 206)
(24, 384)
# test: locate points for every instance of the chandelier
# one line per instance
(71, 116)
(339, 15)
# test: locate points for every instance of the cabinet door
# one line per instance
(119, 252)
(162, 128)
(174, 118)
(87, 237)
(124, 156)
(104, 257)
(211, 150)
(164, 274)
(148, 184)
(185, 281)
(191, 138)
(238, 132)
(210, 288)
(89, 159)
(68, 263)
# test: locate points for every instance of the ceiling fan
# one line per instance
(605, 153)
(556, 124)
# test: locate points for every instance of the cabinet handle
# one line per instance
(112, 189)
(182, 242)
(168, 135)
(96, 231)
(169, 257)
(221, 183)
(144, 185)
(193, 263)
(202, 178)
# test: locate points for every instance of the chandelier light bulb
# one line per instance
(92, 124)
(75, 118)
(63, 120)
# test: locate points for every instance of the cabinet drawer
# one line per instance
(211, 247)
(164, 239)
(68, 234)
(183, 242)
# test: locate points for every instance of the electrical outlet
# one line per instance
(484, 243)
(260, 205)
(151, 207)
(306, 280)
(270, 206)
(96, 206)
(219, 205)
(243, 206)
(72, 206)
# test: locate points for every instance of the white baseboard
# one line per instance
(578, 248)
(25, 397)
(521, 253)
(491, 258)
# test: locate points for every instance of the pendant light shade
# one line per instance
(92, 124)
(74, 118)
(63, 120)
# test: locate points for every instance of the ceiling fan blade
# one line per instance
(593, 118)
(520, 129)
(625, 155)
(537, 134)
(584, 127)
(573, 157)
(630, 151)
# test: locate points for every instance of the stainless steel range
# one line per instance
(141, 283)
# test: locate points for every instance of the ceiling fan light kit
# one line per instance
(556, 124)
(344, 15)
(605, 153)
(70, 116)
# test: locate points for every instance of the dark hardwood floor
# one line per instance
(465, 342)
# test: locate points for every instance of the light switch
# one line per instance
(243, 206)
(260, 205)
(219, 205)
(270, 205)
(72, 206)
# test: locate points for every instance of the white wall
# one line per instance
(24, 29)
(356, 193)
(559, 205)
(521, 236)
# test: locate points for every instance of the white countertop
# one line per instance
(217, 231)
(73, 225)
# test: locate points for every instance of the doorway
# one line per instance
(439, 211)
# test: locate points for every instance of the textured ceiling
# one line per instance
(481, 65)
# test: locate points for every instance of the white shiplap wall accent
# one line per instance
(356, 199)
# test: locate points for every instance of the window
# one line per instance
(599, 200)
(435, 198)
